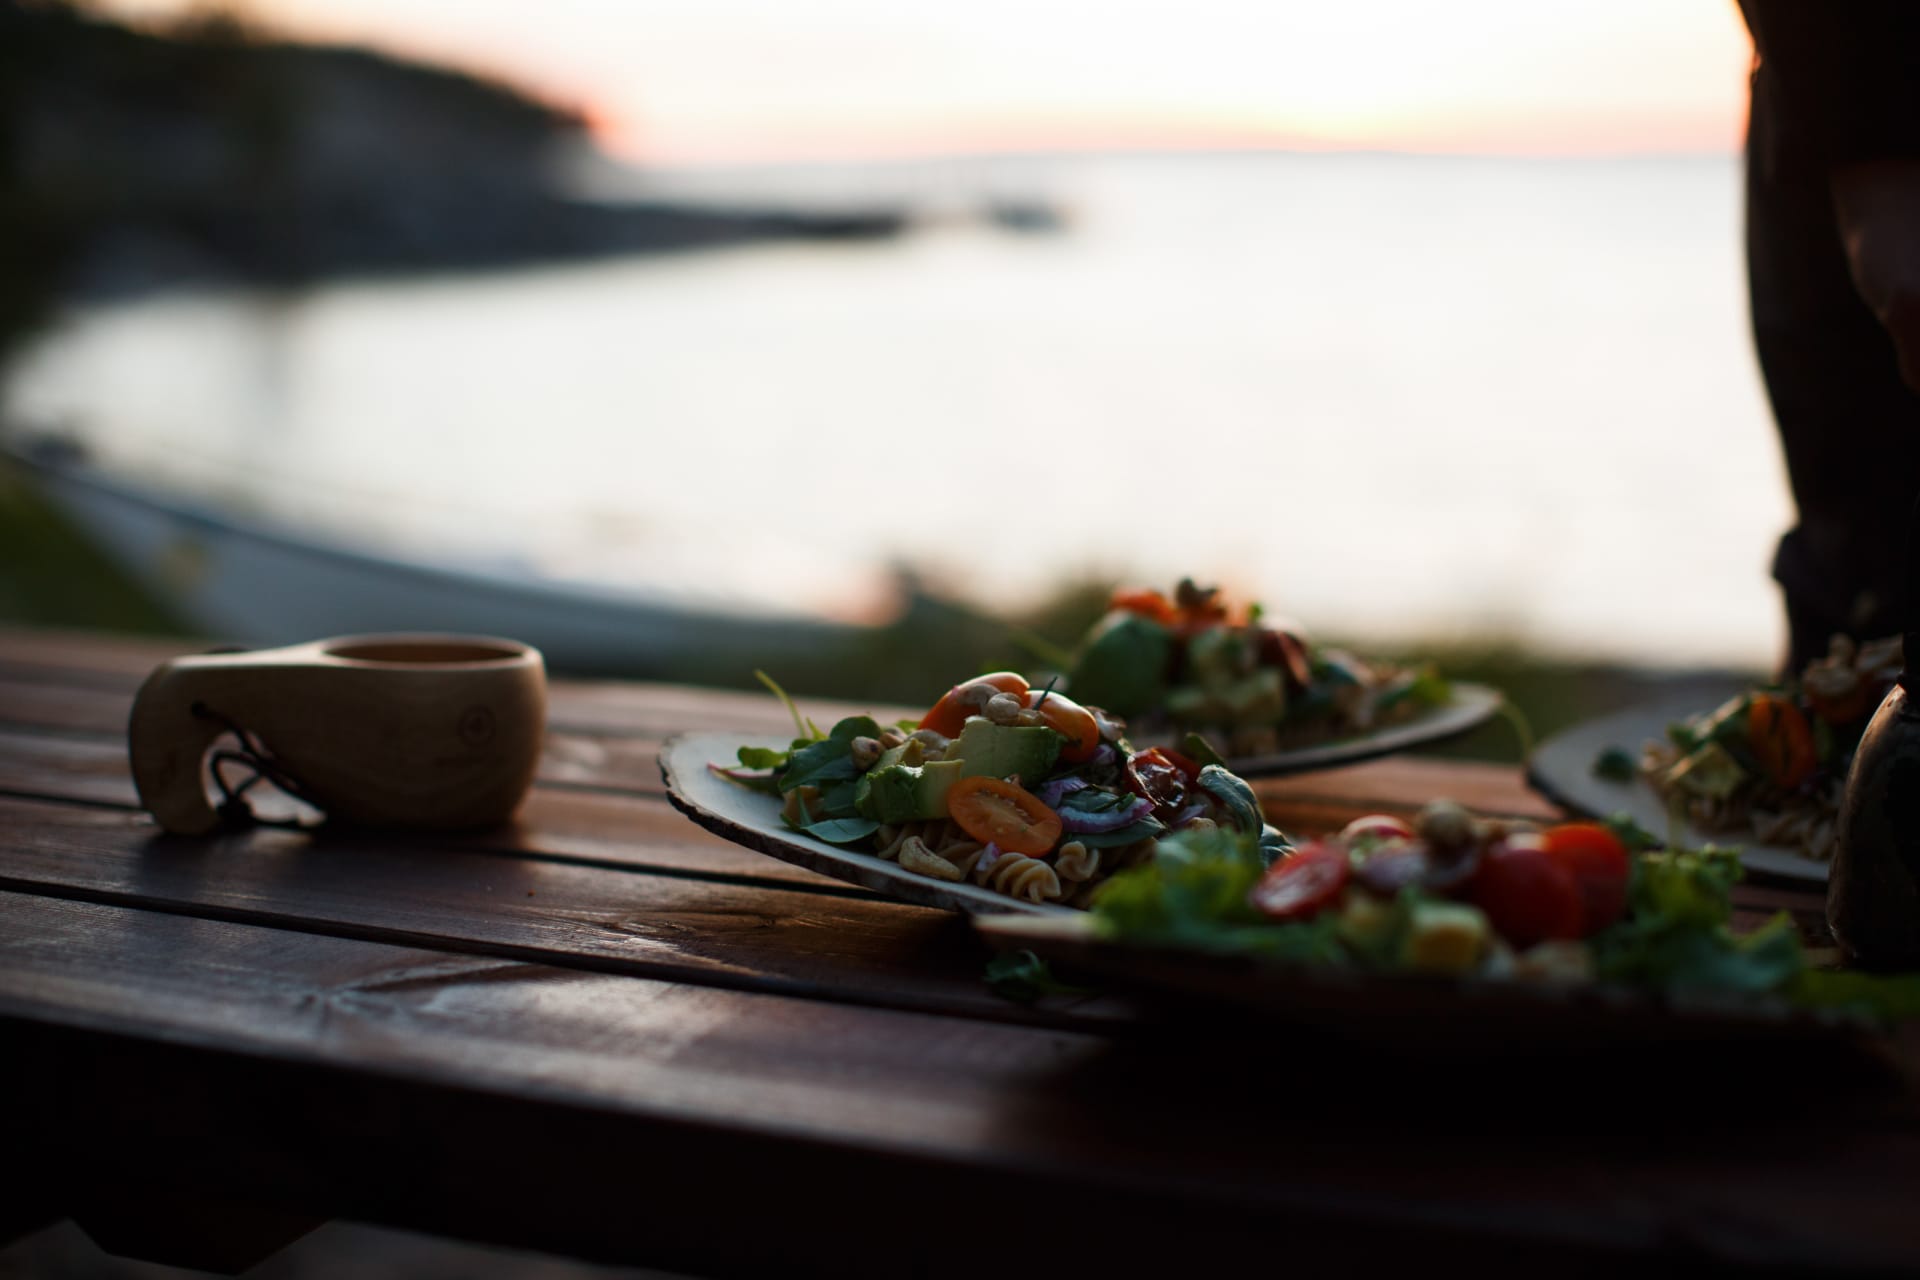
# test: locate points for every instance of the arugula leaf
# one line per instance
(763, 757)
(1023, 977)
(1194, 894)
(1674, 936)
(800, 727)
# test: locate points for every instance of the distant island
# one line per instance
(205, 153)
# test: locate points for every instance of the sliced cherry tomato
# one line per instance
(1303, 883)
(1143, 602)
(1070, 720)
(1600, 867)
(1527, 896)
(998, 812)
(1151, 774)
(1781, 739)
(948, 714)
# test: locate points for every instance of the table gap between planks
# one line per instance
(603, 1032)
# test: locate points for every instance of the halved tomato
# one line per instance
(1070, 720)
(1600, 867)
(998, 812)
(1303, 883)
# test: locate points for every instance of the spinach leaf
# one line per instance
(841, 830)
(1615, 764)
(1238, 798)
(1133, 832)
(1023, 977)
(830, 759)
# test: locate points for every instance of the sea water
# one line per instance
(1398, 398)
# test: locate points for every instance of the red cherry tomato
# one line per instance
(1303, 883)
(1143, 602)
(1599, 865)
(1152, 774)
(1070, 720)
(1527, 896)
(948, 715)
(994, 811)
(1781, 739)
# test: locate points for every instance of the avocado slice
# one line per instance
(1003, 750)
(905, 792)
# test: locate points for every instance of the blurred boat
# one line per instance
(254, 583)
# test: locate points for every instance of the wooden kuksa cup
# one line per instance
(428, 731)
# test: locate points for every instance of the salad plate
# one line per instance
(1266, 697)
(1468, 1015)
(1467, 708)
(752, 819)
(1562, 769)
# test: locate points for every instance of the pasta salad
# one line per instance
(1772, 763)
(1018, 789)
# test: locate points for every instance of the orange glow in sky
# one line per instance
(693, 81)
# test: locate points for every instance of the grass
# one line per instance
(52, 576)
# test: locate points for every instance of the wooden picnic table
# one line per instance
(605, 1033)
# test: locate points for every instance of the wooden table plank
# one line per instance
(541, 1107)
(820, 944)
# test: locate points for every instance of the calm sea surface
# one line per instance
(1394, 397)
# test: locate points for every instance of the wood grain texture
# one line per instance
(602, 1032)
(763, 937)
(539, 1107)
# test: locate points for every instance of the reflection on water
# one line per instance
(1397, 397)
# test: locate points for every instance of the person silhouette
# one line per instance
(1833, 264)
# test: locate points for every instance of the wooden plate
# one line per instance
(749, 818)
(1562, 771)
(1474, 1016)
(1470, 707)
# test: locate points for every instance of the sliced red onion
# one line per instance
(1051, 793)
(1113, 820)
(1103, 755)
(988, 856)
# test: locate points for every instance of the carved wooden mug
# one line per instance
(427, 731)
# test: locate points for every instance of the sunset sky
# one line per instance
(693, 81)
